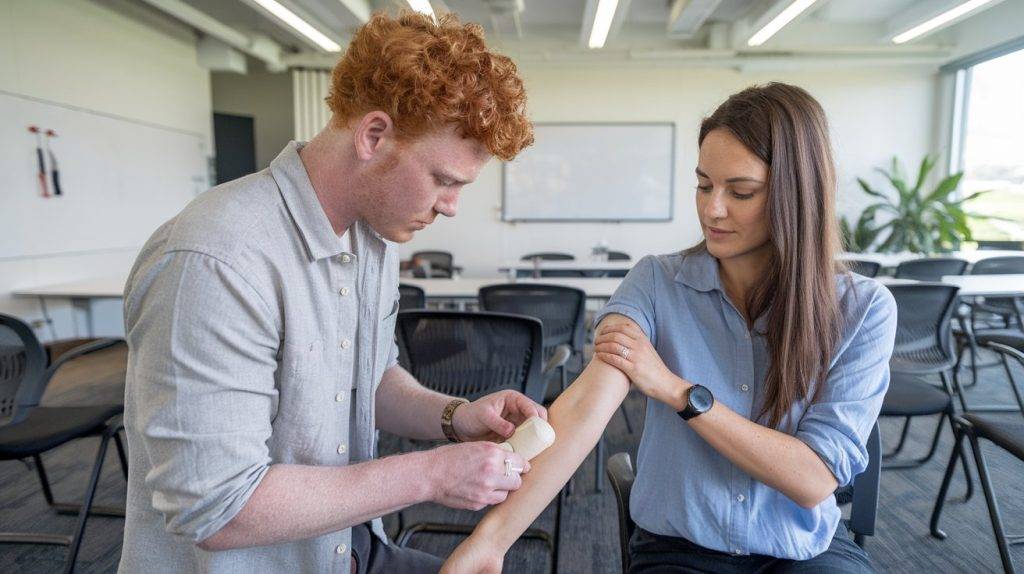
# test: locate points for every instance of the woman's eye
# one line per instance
(704, 188)
(742, 195)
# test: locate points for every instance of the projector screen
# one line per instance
(592, 172)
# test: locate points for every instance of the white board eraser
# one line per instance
(531, 438)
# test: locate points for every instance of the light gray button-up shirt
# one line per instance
(256, 336)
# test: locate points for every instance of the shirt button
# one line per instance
(340, 397)
(346, 344)
(341, 549)
(342, 449)
(737, 551)
(740, 498)
(344, 291)
(346, 258)
(744, 388)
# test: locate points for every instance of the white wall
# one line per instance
(264, 96)
(874, 115)
(92, 56)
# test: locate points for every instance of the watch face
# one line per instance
(701, 398)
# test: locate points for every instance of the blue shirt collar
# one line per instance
(699, 271)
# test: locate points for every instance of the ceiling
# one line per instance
(550, 30)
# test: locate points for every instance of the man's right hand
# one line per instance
(472, 475)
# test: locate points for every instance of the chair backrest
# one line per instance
(999, 266)
(440, 262)
(470, 355)
(411, 297)
(863, 267)
(930, 268)
(865, 490)
(1001, 245)
(562, 310)
(618, 256)
(621, 475)
(22, 369)
(548, 256)
(923, 318)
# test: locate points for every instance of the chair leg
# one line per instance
(43, 480)
(1013, 382)
(121, 453)
(954, 389)
(993, 507)
(902, 441)
(90, 493)
(940, 501)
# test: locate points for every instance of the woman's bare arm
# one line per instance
(579, 416)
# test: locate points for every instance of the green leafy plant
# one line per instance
(921, 221)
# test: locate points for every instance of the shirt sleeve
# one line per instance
(634, 297)
(390, 320)
(837, 425)
(201, 392)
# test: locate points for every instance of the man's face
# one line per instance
(417, 179)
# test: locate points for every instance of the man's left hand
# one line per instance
(495, 417)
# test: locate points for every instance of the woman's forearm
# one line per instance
(579, 416)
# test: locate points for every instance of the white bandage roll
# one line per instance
(531, 438)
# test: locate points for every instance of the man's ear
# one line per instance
(371, 132)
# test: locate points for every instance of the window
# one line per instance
(991, 146)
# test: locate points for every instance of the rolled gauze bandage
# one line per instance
(531, 438)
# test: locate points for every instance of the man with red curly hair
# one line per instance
(260, 324)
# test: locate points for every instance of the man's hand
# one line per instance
(495, 417)
(473, 475)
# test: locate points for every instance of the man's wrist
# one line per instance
(453, 431)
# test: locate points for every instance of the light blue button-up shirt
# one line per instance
(684, 487)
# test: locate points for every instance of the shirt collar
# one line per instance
(699, 270)
(302, 202)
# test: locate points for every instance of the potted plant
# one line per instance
(922, 221)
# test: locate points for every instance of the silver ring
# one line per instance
(624, 352)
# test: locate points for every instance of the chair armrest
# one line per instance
(558, 359)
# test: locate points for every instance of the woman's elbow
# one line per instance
(813, 495)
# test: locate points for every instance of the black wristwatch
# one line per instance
(699, 400)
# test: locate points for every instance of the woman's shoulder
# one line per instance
(862, 298)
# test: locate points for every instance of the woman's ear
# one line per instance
(371, 132)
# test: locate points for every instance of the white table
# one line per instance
(894, 259)
(80, 293)
(511, 268)
(467, 288)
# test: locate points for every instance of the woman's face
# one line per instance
(732, 196)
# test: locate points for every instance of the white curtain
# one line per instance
(309, 88)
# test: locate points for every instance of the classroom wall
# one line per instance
(112, 57)
(265, 96)
(874, 114)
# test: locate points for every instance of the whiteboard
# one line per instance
(121, 179)
(592, 172)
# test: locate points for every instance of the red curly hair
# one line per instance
(426, 75)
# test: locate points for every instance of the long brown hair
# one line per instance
(786, 127)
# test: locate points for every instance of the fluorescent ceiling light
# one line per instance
(299, 25)
(945, 17)
(779, 22)
(423, 7)
(602, 23)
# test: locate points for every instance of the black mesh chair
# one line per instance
(28, 430)
(1005, 307)
(930, 268)
(923, 349)
(862, 495)
(471, 355)
(618, 256)
(411, 297)
(1004, 314)
(1006, 434)
(549, 256)
(440, 264)
(863, 267)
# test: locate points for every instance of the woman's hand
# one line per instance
(474, 556)
(623, 345)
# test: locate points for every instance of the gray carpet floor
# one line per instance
(589, 538)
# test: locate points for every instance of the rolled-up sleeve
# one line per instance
(634, 298)
(837, 425)
(203, 393)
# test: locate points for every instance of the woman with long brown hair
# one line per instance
(764, 360)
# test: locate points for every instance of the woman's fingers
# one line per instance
(617, 338)
(615, 360)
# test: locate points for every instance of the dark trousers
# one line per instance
(371, 556)
(654, 553)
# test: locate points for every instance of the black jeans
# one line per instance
(371, 556)
(651, 553)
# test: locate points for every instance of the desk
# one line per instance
(467, 288)
(511, 268)
(894, 259)
(81, 293)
